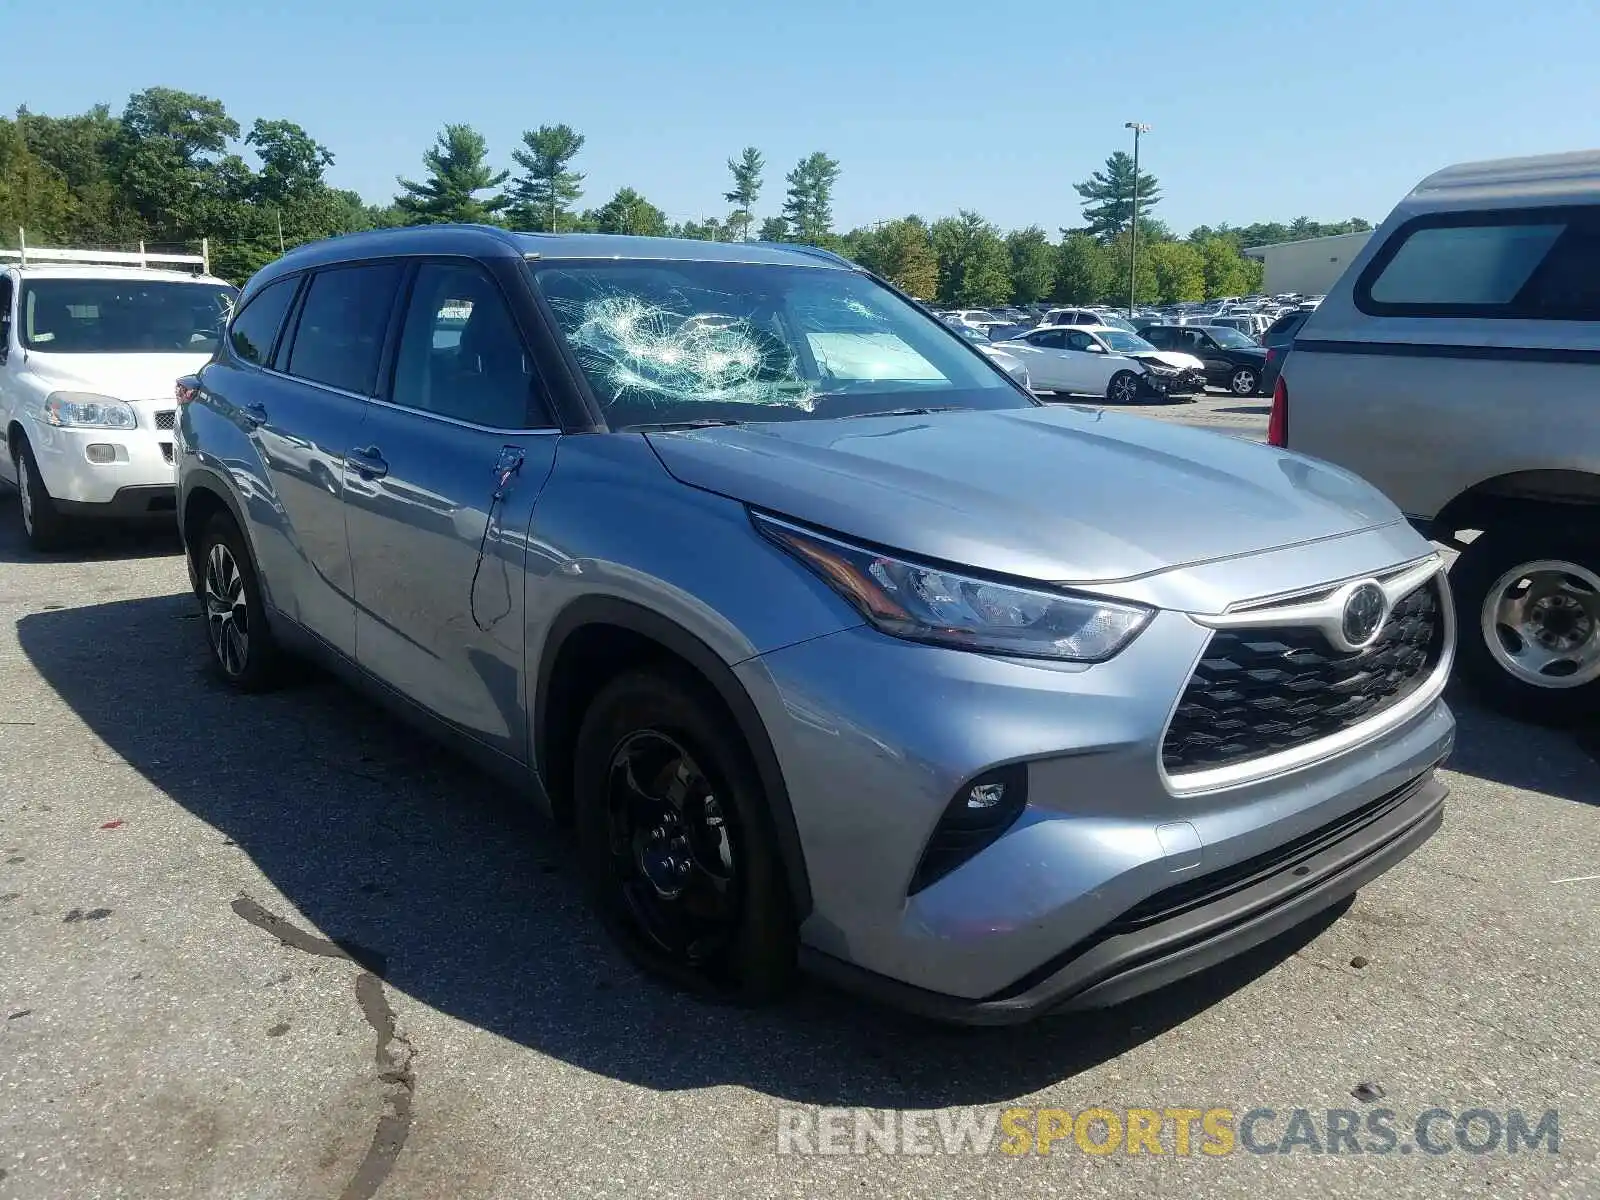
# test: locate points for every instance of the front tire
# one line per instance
(676, 841)
(1245, 381)
(1528, 621)
(42, 522)
(1123, 388)
(244, 654)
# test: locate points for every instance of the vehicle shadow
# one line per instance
(463, 898)
(1534, 758)
(108, 542)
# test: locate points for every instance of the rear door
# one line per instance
(303, 412)
(440, 487)
(1042, 352)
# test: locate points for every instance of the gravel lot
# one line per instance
(276, 947)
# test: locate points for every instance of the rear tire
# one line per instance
(1528, 621)
(692, 888)
(42, 522)
(1245, 381)
(244, 655)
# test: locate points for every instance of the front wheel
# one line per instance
(42, 522)
(1244, 381)
(676, 841)
(1123, 388)
(1528, 621)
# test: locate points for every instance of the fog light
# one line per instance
(986, 795)
(100, 452)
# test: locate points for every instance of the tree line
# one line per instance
(173, 168)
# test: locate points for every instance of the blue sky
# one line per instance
(1261, 110)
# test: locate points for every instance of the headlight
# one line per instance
(69, 409)
(933, 604)
(1156, 368)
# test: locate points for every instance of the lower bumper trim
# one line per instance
(1118, 967)
(149, 502)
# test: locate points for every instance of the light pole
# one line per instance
(1133, 230)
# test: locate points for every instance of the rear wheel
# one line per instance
(1123, 388)
(42, 522)
(1528, 620)
(1244, 381)
(676, 841)
(244, 654)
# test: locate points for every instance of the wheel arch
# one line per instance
(1520, 495)
(596, 637)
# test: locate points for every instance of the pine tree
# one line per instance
(746, 171)
(1108, 196)
(457, 173)
(808, 208)
(546, 192)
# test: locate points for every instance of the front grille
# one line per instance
(165, 419)
(1262, 691)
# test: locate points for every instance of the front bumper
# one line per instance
(144, 469)
(870, 770)
(1192, 926)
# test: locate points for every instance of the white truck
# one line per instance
(92, 344)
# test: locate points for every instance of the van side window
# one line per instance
(339, 338)
(460, 353)
(256, 326)
(1533, 264)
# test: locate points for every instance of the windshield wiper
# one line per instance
(669, 426)
(908, 412)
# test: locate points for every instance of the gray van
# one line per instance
(1457, 365)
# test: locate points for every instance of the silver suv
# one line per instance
(837, 648)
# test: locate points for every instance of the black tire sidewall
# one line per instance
(262, 663)
(1485, 560)
(759, 961)
(49, 526)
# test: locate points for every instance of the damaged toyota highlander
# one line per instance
(837, 650)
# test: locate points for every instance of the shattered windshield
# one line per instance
(664, 343)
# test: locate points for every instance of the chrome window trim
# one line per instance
(1193, 783)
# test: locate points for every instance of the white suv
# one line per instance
(90, 352)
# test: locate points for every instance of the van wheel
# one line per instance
(676, 842)
(243, 652)
(42, 522)
(1244, 381)
(1528, 621)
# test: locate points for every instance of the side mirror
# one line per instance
(1095, 348)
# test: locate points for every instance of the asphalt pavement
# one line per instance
(277, 946)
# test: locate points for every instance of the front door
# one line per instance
(440, 491)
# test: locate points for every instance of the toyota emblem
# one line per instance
(1364, 611)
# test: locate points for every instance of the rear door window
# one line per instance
(1515, 264)
(339, 338)
(256, 327)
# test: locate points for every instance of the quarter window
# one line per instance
(460, 354)
(339, 339)
(256, 327)
(1539, 264)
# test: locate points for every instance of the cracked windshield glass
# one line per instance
(691, 342)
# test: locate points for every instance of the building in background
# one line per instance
(1311, 266)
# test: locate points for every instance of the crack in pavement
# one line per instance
(394, 1065)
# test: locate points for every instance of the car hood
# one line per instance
(1057, 493)
(1171, 358)
(121, 376)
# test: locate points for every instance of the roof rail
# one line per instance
(811, 252)
(126, 258)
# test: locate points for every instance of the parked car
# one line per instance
(1277, 340)
(970, 703)
(1232, 360)
(1191, 372)
(89, 347)
(976, 318)
(1095, 318)
(1076, 361)
(1455, 365)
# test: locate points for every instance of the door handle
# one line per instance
(368, 462)
(255, 415)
